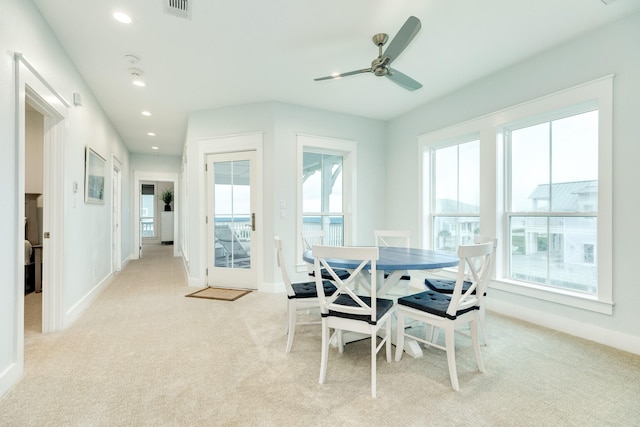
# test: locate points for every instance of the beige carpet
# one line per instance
(222, 294)
(144, 355)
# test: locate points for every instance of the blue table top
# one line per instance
(394, 258)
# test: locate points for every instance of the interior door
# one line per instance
(116, 215)
(231, 220)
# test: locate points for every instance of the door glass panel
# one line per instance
(232, 214)
(322, 194)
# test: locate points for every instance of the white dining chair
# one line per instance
(397, 238)
(347, 311)
(445, 311)
(318, 237)
(300, 296)
(446, 286)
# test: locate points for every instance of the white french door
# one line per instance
(231, 220)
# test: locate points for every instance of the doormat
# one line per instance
(223, 294)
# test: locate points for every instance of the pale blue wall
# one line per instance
(155, 163)
(610, 50)
(87, 228)
(280, 123)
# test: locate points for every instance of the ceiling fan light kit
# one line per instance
(380, 65)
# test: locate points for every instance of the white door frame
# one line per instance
(139, 176)
(244, 278)
(116, 216)
(229, 144)
(31, 87)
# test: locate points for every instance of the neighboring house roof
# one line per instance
(567, 195)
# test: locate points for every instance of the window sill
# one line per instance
(558, 296)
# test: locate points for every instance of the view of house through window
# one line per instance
(541, 172)
(553, 202)
(322, 204)
(456, 189)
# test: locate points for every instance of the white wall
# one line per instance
(610, 50)
(155, 163)
(280, 123)
(86, 228)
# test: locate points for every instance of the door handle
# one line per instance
(253, 222)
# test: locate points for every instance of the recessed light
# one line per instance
(154, 148)
(122, 17)
(146, 113)
(139, 83)
(151, 134)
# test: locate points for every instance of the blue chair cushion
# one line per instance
(342, 274)
(382, 307)
(308, 289)
(403, 277)
(432, 302)
(445, 286)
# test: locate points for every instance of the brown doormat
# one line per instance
(219, 293)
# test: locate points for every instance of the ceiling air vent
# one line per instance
(179, 8)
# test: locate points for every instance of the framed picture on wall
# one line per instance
(94, 173)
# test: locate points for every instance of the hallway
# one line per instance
(141, 355)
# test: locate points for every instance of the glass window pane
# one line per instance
(555, 251)
(322, 183)
(451, 231)
(469, 177)
(446, 178)
(530, 169)
(232, 213)
(529, 249)
(575, 163)
(335, 231)
(311, 182)
(147, 213)
(322, 193)
(148, 203)
(335, 196)
(223, 200)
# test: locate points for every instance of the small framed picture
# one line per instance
(94, 173)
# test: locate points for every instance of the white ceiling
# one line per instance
(238, 52)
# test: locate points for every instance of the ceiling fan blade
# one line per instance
(348, 73)
(403, 80)
(402, 39)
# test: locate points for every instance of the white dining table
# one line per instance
(396, 261)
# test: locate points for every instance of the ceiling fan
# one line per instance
(380, 65)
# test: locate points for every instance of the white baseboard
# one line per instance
(10, 377)
(76, 311)
(608, 337)
(196, 282)
(125, 262)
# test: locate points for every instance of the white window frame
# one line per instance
(348, 151)
(548, 213)
(433, 214)
(493, 220)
